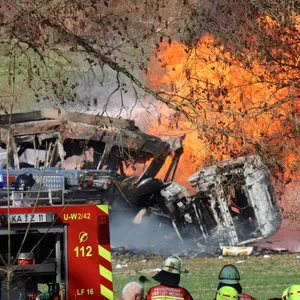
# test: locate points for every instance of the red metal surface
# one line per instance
(83, 259)
(84, 278)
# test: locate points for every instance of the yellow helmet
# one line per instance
(227, 293)
(291, 293)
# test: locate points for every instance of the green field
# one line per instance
(261, 277)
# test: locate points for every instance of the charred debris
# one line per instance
(82, 158)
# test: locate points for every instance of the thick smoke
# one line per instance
(108, 97)
(150, 236)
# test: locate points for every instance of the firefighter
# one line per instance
(169, 279)
(132, 291)
(227, 293)
(291, 293)
(230, 276)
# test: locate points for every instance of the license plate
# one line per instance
(26, 218)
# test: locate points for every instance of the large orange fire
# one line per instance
(233, 109)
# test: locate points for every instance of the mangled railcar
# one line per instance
(51, 157)
(237, 201)
(103, 158)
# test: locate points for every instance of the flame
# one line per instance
(233, 110)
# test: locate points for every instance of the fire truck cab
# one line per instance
(64, 249)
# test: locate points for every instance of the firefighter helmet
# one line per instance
(170, 273)
(291, 293)
(172, 264)
(227, 293)
(229, 274)
(24, 182)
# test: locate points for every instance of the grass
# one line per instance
(261, 277)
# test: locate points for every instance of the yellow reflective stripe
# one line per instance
(166, 297)
(105, 273)
(104, 253)
(104, 208)
(106, 292)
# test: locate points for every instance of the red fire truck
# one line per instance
(59, 246)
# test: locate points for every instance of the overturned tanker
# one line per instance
(51, 157)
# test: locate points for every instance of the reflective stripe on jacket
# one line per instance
(163, 292)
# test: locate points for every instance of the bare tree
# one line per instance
(228, 70)
(62, 43)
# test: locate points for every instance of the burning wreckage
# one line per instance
(75, 158)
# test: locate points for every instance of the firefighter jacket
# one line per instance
(164, 292)
(246, 297)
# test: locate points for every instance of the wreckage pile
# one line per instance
(137, 254)
(80, 158)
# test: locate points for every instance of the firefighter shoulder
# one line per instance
(228, 292)
(169, 279)
(291, 293)
(246, 297)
